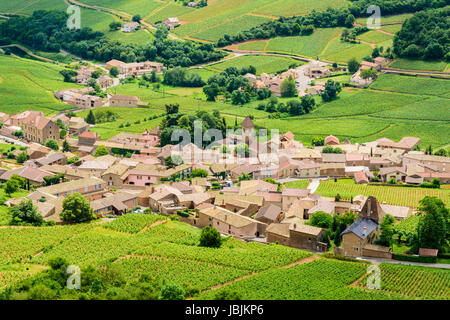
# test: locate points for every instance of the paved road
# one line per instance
(14, 141)
(407, 263)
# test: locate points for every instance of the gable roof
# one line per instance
(361, 227)
(270, 212)
(248, 123)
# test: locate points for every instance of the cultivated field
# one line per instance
(29, 85)
(267, 64)
(419, 65)
(401, 196)
(168, 251)
(415, 282)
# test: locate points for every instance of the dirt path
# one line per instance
(157, 223)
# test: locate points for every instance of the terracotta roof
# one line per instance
(293, 192)
(247, 123)
(270, 212)
(303, 228)
(331, 139)
(29, 173)
(88, 134)
(360, 176)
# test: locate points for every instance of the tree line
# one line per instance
(47, 31)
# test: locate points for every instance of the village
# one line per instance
(242, 196)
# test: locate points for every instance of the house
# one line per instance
(361, 177)
(77, 125)
(442, 164)
(18, 119)
(171, 22)
(115, 175)
(36, 151)
(70, 173)
(84, 74)
(331, 141)
(163, 199)
(119, 100)
(289, 195)
(398, 173)
(115, 204)
(269, 214)
(85, 101)
(316, 69)
(296, 235)
(301, 169)
(230, 223)
(34, 176)
(52, 159)
(358, 238)
(135, 68)
(91, 188)
(130, 26)
(105, 82)
(97, 166)
(40, 129)
(143, 176)
(406, 143)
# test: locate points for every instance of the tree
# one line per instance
(368, 73)
(353, 65)
(11, 186)
(288, 87)
(433, 227)
(115, 25)
(210, 237)
(101, 151)
(211, 91)
(349, 21)
(22, 157)
(332, 89)
(318, 141)
(173, 161)
(25, 213)
(321, 219)
(242, 150)
(199, 173)
(90, 118)
(171, 292)
(52, 144)
(68, 75)
(66, 146)
(441, 152)
(227, 294)
(76, 209)
(137, 18)
(387, 231)
(114, 72)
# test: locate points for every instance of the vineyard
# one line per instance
(134, 223)
(401, 196)
(320, 279)
(408, 225)
(169, 252)
(415, 282)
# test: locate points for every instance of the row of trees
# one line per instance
(47, 31)
(292, 107)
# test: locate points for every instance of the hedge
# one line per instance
(405, 257)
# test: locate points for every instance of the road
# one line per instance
(14, 141)
(407, 263)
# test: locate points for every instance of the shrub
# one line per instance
(405, 257)
(210, 237)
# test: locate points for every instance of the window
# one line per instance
(355, 248)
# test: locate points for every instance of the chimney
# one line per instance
(295, 226)
(364, 230)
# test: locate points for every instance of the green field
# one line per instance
(413, 85)
(401, 196)
(132, 7)
(299, 184)
(231, 27)
(318, 280)
(399, 18)
(29, 85)
(419, 65)
(27, 6)
(288, 8)
(374, 36)
(257, 45)
(415, 282)
(267, 64)
(133, 246)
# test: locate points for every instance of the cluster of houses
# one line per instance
(377, 64)
(134, 68)
(249, 209)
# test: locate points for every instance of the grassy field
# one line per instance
(230, 27)
(288, 8)
(402, 196)
(142, 7)
(267, 64)
(256, 45)
(419, 65)
(169, 252)
(299, 184)
(413, 85)
(28, 84)
(399, 18)
(27, 6)
(374, 36)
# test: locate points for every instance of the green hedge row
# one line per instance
(405, 257)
